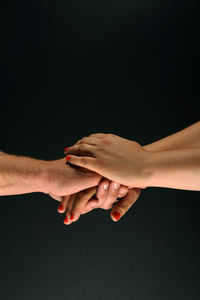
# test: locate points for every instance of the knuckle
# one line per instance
(83, 161)
(81, 195)
(113, 193)
(102, 144)
(81, 147)
(106, 207)
(124, 206)
(107, 139)
(81, 141)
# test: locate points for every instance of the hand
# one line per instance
(89, 199)
(61, 179)
(113, 157)
(102, 197)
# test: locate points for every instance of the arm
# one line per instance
(184, 139)
(179, 169)
(127, 162)
(19, 175)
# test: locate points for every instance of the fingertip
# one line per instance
(60, 209)
(104, 184)
(65, 221)
(72, 217)
(68, 157)
(115, 215)
(65, 150)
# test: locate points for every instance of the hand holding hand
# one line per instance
(105, 197)
(113, 157)
(61, 179)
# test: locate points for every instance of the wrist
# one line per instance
(157, 167)
(149, 169)
(42, 179)
(146, 170)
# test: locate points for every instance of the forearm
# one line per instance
(179, 169)
(20, 175)
(184, 139)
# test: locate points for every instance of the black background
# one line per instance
(71, 68)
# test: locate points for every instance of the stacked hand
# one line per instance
(106, 171)
(126, 167)
(103, 154)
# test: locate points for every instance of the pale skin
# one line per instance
(172, 162)
(104, 196)
(21, 175)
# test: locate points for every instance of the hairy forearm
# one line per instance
(184, 139)
(20, 175)
(179, 169)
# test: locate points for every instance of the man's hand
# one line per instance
(21, 175)
(107, 196)
(61, 179)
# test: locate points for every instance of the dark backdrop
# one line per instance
(71, 68)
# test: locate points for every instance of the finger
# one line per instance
(83, 161)
(98, 135)
(90, 205)
(102, 191)
(88, 140)
(101, 196)
(67, 220)
(63, 205)
(80, 202)
(81, 150)
(124, 204)
(112, 195)
(123, 190)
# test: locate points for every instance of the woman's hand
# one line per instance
(113, 157)
(103, 197)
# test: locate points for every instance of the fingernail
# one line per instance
(60, 207)
(66, 149)
(65, 220)
(116, 186)
(105, 186)
(72, 217)
(68, 157)
(116, 215)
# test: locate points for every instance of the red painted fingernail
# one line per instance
(66, 220)
(60, 207)
(66, 149)
(116, 215)
(68, 157)
(72, 217)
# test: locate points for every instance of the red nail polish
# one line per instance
(116, 215)
(60, 207)
(66, 149)
(68, 157)
(72, 217)
(66, 220)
